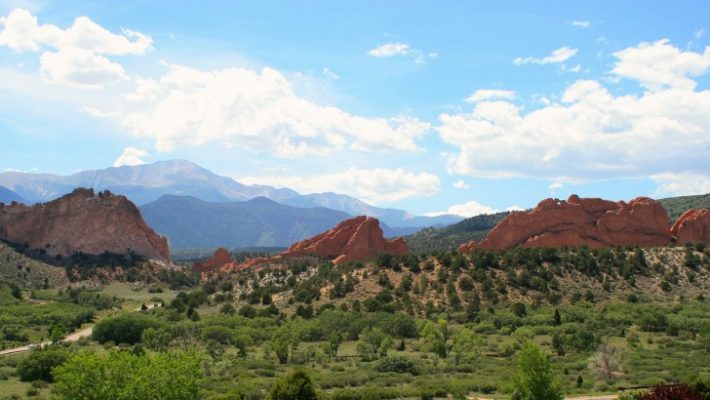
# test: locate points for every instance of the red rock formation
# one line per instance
(83, 222)
(592, 222)
(219, 259)
(358, 238)
(692, 227)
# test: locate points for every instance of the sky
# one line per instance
(462, 107)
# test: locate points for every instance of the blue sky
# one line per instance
(464, 106)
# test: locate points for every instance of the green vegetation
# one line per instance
(678, 205)
(121, 375)
(571, 321)
(451, 237)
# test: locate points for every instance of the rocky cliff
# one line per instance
(219, 259)
(692, 226)
(575, 222)
(355, 239)
(82, 222)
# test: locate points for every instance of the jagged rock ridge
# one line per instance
(82, 221)
(596, 223)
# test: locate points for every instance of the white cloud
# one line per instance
(682, 183)
(468, 209)
(79, 55)
(514, 207)
(556, 185)
(589, 134)
(661, 65)
(460, 184)
(374, 185)
(403, 50)
(581, 24)
(391, 50)
(257, 110)
(130, 156)
(490, 94)
(699, 33)
(558, 56)
(330, 74)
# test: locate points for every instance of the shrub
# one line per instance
(398, 364)
(126, 328)
(296, 385)
(39, 363)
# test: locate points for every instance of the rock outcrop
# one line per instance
(219, 259)
(355, 239)
(575, 222)
(82, 222)
(692, 227)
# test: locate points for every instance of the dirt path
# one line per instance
(86, 332)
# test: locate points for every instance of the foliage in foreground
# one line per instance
(296, 385)
(534, 379)
(122, 375)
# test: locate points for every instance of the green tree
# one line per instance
(296, 385)
(39, 363)
(157, 339)
(126, 328)
(467, 346)
(57, 333)
(533, 379)
(435, 336)
(373, 342)
(121, 375)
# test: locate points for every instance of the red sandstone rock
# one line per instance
(82, 222)
(355, 239)
(575, 222)
(692, 227)
(219, 259)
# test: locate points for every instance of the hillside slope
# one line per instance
(678, 205)
(452, 236)
(189, 222)
(17, 269)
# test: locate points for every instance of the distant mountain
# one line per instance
(353, 206)
(147, 183)
(189, 222)
(678, 205)
(452, 236)
(7, 196)
(142, 183)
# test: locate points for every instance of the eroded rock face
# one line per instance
(575, 222)
(219, 259)
(355, 239)
(83, 222)
(692, 227)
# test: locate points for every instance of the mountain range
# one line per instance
(146, 183)
(189, 222)
(7, 196)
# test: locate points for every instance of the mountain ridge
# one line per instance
(146, 183)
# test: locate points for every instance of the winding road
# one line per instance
(86, 332)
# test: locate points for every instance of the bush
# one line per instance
(39, 363)
(162, 376)
(398, 364)
(126, 328)
(296, 385)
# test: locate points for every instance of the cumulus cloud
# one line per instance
(514, 207)
(591, 133)
(78, 58)
(660, 65)
(490, 94)
(682, 184)
(404, 50)
(130, 156)
(375, 186)
(460, 184)
(558, 56)
(257, 110)
(467, 209)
